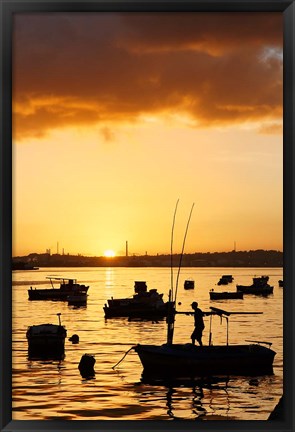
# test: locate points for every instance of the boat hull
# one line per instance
(226, 295)
(179, 361)
(137, 310)
(53, 293)
(46, 341)
(189, 284)
(252, 289)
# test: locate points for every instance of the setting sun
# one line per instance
(109, 253)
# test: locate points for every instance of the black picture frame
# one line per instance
(7, 9)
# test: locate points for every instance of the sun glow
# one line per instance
(109, 253)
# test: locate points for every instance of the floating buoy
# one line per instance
(86, 366)
(74, 339)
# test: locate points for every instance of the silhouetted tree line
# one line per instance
(252, 258)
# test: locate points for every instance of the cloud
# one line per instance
(218, 69)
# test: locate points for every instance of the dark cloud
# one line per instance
(85, 68)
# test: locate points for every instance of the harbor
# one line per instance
(55, 389)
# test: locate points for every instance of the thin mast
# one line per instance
(183, 244)
(172, 311)
(171, 248)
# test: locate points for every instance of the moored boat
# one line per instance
(143, 304)
(223, 281)
(259, 286)
(189, 361)
(68, 286)
(225, 295)
(189, 284)
(229, 278)
(46, 340)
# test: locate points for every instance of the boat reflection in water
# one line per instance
(192, 396)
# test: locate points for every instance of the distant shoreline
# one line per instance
(256, 258)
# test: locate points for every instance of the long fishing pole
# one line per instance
(170, 317)
(182, 251)
(171, 248)
(171, 311)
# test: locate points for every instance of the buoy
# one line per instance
(74, 339)
(86, 366)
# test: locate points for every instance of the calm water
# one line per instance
(47, 390)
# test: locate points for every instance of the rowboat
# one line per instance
(225, 295)
(68, 286)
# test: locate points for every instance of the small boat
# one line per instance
(46, 340)
(259, 286)
(68, 286)
(190, 361)
(225, 295)
(229, 278)
(281, 283)
(189, 284)
(143, 304)
(223, 281)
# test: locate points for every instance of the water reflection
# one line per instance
(196, 396)
(46, 389)
(188, 398)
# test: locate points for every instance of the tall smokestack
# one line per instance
(127, 248)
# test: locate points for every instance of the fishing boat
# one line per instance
(214, 295)
(259, 286)
(68, 286)
(187, 361)
(190, 361)
(46, 340)
(189, 284)
(142, 304)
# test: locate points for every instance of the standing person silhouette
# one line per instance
(199, 324)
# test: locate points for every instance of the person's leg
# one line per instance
(199, 337)
(193, 337)
(200, 340)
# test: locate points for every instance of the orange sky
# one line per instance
(116, 116)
